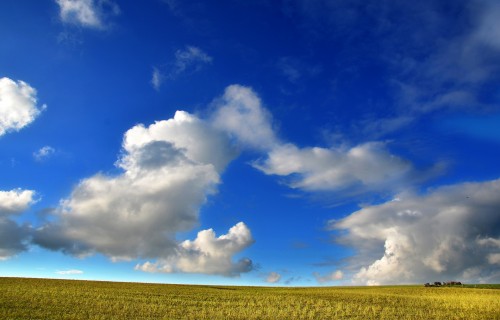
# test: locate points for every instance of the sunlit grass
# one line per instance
(66, 299)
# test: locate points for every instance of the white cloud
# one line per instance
(87, 13)
(358, 169)
(329, 277)
(44, 153)
(15, 201)
(189, 60)
(17, 110)
(273, 277)
(442, 235)
(240, 113)
(17, 105)
(170, 168)
(69, 272)
(208, 254)
(368, 166)
(494, 258)
(191, 56)
(12, 235)
(194, 138)
(156, 78)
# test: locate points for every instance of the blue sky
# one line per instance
(267, 143)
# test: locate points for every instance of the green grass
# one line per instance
(68, 299)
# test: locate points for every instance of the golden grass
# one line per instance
(69, 299)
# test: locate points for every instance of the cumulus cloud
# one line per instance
(15, 201)
(13, 236)
(207, 254)
(329, 277)
(44, 153)
(169, 170)
(87, 13)
(273, 277)
(17, 105)
(365, 167)
(450, 233)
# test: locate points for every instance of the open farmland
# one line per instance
(69, 299)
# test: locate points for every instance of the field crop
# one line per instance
(70, 299)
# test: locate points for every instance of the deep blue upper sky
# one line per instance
(284, 142)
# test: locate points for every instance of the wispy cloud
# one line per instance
(336, 275)
(87, 13)
(186, 62)
(69, 272)
(156, 78)
(44, 153)
(273, 277)
(295, 69)
(455, 68)
(191, 59)
(427, 66)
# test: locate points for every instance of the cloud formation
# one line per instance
(13, 237)
(87, 13)
(430, 67)
(43, 153)
(365, 167)
(457, 67)
(15, 201)
(17, 110)
(17, 105)
(208, 254)
(186, 61)
(450, 233)
(273, 277)
(191, 59)
(240, 113)
(156, 78)
(169, 169)
(329, 277)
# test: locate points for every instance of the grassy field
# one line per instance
(66, 299)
